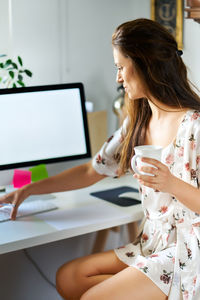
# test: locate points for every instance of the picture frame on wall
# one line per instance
(169, 13)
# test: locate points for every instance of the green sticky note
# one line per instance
(38, 173)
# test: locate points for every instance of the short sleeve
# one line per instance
(195, 148)
(191, 149)
(106, 161)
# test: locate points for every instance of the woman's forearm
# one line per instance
(164, 181)
(74, 178)
(187, 194)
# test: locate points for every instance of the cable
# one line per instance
(38, 268)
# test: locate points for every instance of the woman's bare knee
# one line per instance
(61, 285)
(66, 280)
(72, 277)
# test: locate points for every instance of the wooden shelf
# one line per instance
(193, 11)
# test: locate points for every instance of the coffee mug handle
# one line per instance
(133, 165)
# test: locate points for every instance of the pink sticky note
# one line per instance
(21, 178)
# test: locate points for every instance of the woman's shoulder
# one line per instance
(191, 125)
(192, 117)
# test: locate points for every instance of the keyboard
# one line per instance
(27, 208)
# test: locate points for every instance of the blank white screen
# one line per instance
(41, 125)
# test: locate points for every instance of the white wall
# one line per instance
(191, 46)
(36, 37)
(4, 27)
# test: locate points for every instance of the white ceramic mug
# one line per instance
(150, 151)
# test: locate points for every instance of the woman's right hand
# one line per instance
(15, 198)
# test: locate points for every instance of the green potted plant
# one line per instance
(12, 73)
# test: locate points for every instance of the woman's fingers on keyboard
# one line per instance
(15, 199)
(6, 199)
(13, 212)
(15, 205)
(10, 199)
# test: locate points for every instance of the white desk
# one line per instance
(78, 213)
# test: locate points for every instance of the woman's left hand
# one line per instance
(162, 179)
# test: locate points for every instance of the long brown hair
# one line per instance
(154, 53)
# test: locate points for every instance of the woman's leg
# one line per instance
(129, 284)
(73, 279)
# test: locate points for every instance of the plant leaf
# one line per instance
(20, 83)
(7, 63)
(20, 61)
(28, 73)
(14, 65)
(14, 85)
(1, 65)
(12, 74)
(20, 77)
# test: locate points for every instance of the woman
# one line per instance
(164, 261)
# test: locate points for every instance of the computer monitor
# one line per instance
(42, 124)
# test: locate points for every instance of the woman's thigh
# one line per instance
(129, 283)
(95, 264)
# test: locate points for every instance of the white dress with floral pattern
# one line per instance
(168, 249)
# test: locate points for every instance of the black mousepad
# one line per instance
(113, 196)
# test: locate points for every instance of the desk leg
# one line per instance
(100, 240)
(132, 230)
(102, 236)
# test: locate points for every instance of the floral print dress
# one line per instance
(168, 248)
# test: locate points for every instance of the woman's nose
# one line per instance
(119, 78)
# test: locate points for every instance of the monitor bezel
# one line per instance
(75, 85)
